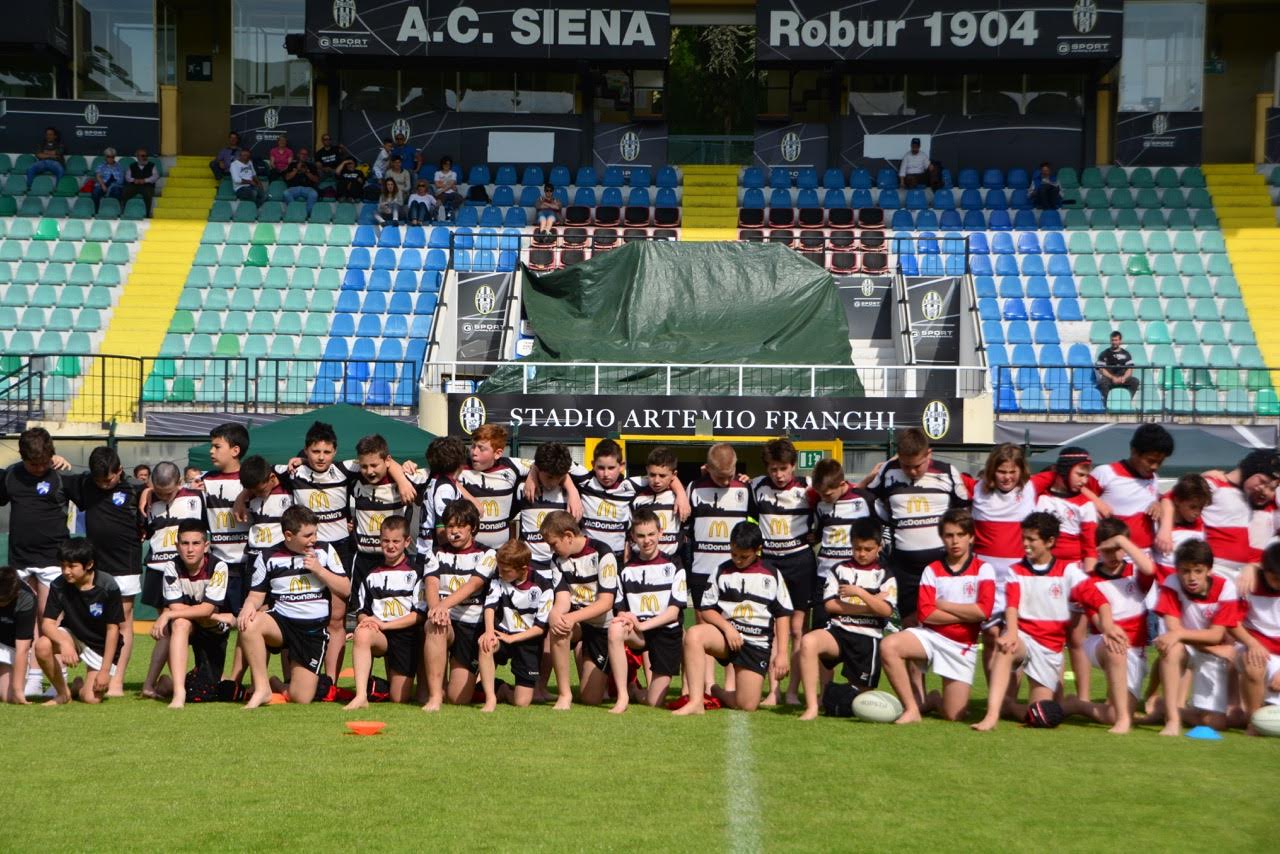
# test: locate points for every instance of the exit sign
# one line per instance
(809, 459)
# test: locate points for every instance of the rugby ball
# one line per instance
(1266, 721)
(877, 706)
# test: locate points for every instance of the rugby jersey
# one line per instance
(519, 607)
(1220, 606)
(227, 537)
(531, 514)
(714, 512)
(997, 520)
(872, 578)
(1077, 519)
(324, 493)
(265, 513)
(833, 522)
(86, 613)
(439, 494)
(974, 583)
(372, 503)
(453, 568)
(1042, 595)
(495, 489)
(912, 509)
(18, 618)
(1182, 532)
(38, 520)
(207, 584)
(1227, 519)
(783, 515)
(1262, 614)
(749, 599)
(295, 593)
(646, 588)
(586, 576)
(111, 522)
(390, 592)
(162, 519)
(606, 510)
(1125, 592)
(1129, 496)
(663, 504)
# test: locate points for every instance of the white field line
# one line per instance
(743, 812)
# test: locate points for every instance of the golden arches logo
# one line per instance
(375, 522)
(837, 535)
(518, 621)
(609, 570)
(219, 578)
(222, 519)
(780, 526)
(582, 594)
(607, 510)
(170, 538)
(743, 611)
(318, 501)
(490, 509)
(718, 530)
(537, 520)
(664, 519)
(649, 603)
(454, 583)
(299, 584)
(262, 535)
(918, 504)
(392, 609)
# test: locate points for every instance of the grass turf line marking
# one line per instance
(741, 807)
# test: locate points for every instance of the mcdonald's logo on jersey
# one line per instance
(490, 509)
(392, 609)
(299, 584)
(607, 510)
(837, 536)
(537, 520)
(718, 530)
(518, 621)
(219, 578)
(318, 500)
(375, 522)
(170, 538)
(582, 594)
(780, 526)
(918, 504)
(664, 520)
(223, 519)
(743, 611)
(262, 534)
(649, 603)
(454, 583)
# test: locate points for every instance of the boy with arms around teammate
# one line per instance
(515, 619)
(17, 632)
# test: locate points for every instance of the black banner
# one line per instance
(490, 29)
(631, 145)
(792, 146)
(87, 127)
(868, 303)
(1159, 139)
(572, 417)
(482, 301)
(1271, 148)
(1000, 141)
(468, 138)
(259, 126)
(791, 30)
(933, 312)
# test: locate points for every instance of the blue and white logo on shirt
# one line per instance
(96, 609)
(118, 498)
(43, 487)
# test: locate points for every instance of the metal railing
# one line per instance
(21, 397)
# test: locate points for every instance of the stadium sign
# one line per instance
(482, 303)
(790, 30)
(573, 416)
(489, 29)
(933, 313)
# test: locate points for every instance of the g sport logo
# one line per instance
(91, 114)
(471, 414)
(485, 300)
(1084, 15)
(931, 306)
(271, 118)
(936, 419)
(629, 146)
(400, 127)
(790, 146)
(344, 13)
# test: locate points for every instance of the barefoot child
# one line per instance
(746, 625)
(515, 619)
(82, 621)
(389, 625)
(860, 597)
(650, 606)
(956, 595)
(17, 631)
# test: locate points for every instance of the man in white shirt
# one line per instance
(916, 169)
(245, 179)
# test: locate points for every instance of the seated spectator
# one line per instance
(221, 165)
(406, 152)
(141, 179)
(108, 178)
(1045, 193)
(422, 167)
(303, 178)
(280, 157)
(244, 178)
(421, 205)
(445, 184)
(1114, 368)
(548, 208)
(381, 163)
(349, 179)
(917, 170)
(328, 156)
(399, 174)
(390, 203)
(51, 157)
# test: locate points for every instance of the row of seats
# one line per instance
(918, 199)
(75, 165)
(1150, 309)
(55, 274)
(586, 176)
(64, 251)
(1165, 264)
(315, 234)
(82, 208)
(1098, 243)
(1066, 399)
(29, 228)
(833, 178)
(1113, 287)
(400, 317)
(998, 220)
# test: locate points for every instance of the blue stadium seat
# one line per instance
(532, 176)
(995, 200)
(492, 217)
(385, 259)
(860, 179)
(613, 177)
(1018, 179)
(515, 218)
(980, 265)
(559, 176)
(505, 175)
(611, 197)
(359, 259)
(667, 198)
(993, 179)
(1014, 309)
(1069, 310)
(993, 332)
(586, 177)
(834, 198)
(353, 280)
(1006, 265)
(668, 177)
(1046, 331)
(463, 238)
(944, 200)
(1018, 332)
(370, 326)
(1006, 398)
(638, 197)
(504, 196)
(753, 199)
(926, 219)
(967, 179)
(888, 199)
(1051, 354)
(753, 178)
(415, 237)
(861, 198)
(389, 237)
(807, 178)
(970, 200)
(1059, 265)
(988, 309)
(917, 199)
(1028, 244)
(479, 175)
(974, 220)
(1032, 265)
(468, 216)
(640, 177)
(1002, 244)
(887, 179)
(436, 260)
(950, 219)
(902, 220)
(999, 221)
(348, 302)
(833, 179)
(1054, 244)
(909, 265)
(365, 235)
(807, 198)
(985, 286)
(1050, 220)
(1037, 287)
(1011, 287)
(584, 197)
(780, 198)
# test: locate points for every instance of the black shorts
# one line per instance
(362, 563)
(404, 650)
(665, 646)
(799, 572)
(907, 574)
(305, 641)
(595, 645)
(209, 650)
(749, 657)
(698, 586)
(525, 658)
(465, 648)
(237, 583)
(153, 588)
(860, 656)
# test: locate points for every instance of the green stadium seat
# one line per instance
(1176, 308)
(225, 192)
(1141, 178)
(217, 300)
(345, 214)
(1132, 243)
(1156, 332)
(60, 320)
(1173, 199)
(1166, 177)
(270, 211)
(310, 347)
(257, 256)
(295, 212)
(9, 206)
(340, 235)
(308, 256)
(99, 232)
(1127, 219)
(1144, 286)
(1180, 220)
(108, 208)
(200, 346)
(154, 389)
(6, 165)
(97, 297)
(228, 345)
(289, 324)
(37, 252)
(1096, 198)
(1221, 359)
(314, 235)
(328, 279)
(1119, 401)
(1233, 311)
(334, 258)
(1150, 310)
(15, 185)
(1101, 218)
(1267, 403)
(47, 230)
(42, 186)
(1152, 219)
(1212, 243)
(1067, 178)
(264, 233)
(1124, 310)
(282, 256)
(54, 274)
(235, 322)
(282, 347)
(238, 234)
(322, 212)
(277, 278)
(242, 299)
(255, 347)
(1205, 309)
(11, 250)
(232, 256)
(1237, 402)
(250, 277)
(1205, 219)
(126, 231)
(1250, 357)
(1084, 265)
(190, 299)
(67, 187)
(1091, 177)
(1105, 243)
(1218, 265)
(1137, 266)
(214, 233)
(1075, 220)
(1192, 177)
(26, 273)
(269, 301)
(1241, 333)
(183, 323)
(289, 233)
(1191, 265)
(183, 390)
(67, 366)
(64, 251)
(117, 253)
(317, 324)
(1199, 199)
(295, 300)
(1095, 309)
(1207, 402)
(1079, 243)
(1111, 265)
(245, 212)
(1117, 287)
(1226, 286)
(206, 256)
(225, 277)
(276, 190)
(1121, 199)
(301, 278)
(57, 208)
(220, 211)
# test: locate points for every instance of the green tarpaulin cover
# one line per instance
(691, 303)
(280, 440)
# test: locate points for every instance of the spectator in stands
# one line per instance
(328, 156)
(51, 157)
(279, 157)
(303, 178)
(108, 178)
(406, 152)
(245, 180)
(381, 162)
(423, 168)
(917, 170)
(141, 179)
(396, 172)
(221, 165)
(548, 208)
(421, 205)
(1115, 368)
(445, 182)
(349, 178)
(390, 203)
(1045, 192)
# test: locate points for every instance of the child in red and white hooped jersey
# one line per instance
(1117, 645)
(956, 595)
(1037, 621)
(1258, 651)
(1198, 607)
(1058, 491)
(1127, 488)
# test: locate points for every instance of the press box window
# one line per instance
(115, 50)
(263, 72)
(1162, 60)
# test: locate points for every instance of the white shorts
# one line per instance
(1002, 566)
(1041, 664)
(6, 654)
(130, 585)
(1208, 681)
(46, 575)
(945, 657)
(1269, 698)
(1136, 666)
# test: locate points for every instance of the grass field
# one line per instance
(132, 774)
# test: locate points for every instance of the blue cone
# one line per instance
(1204, 733)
